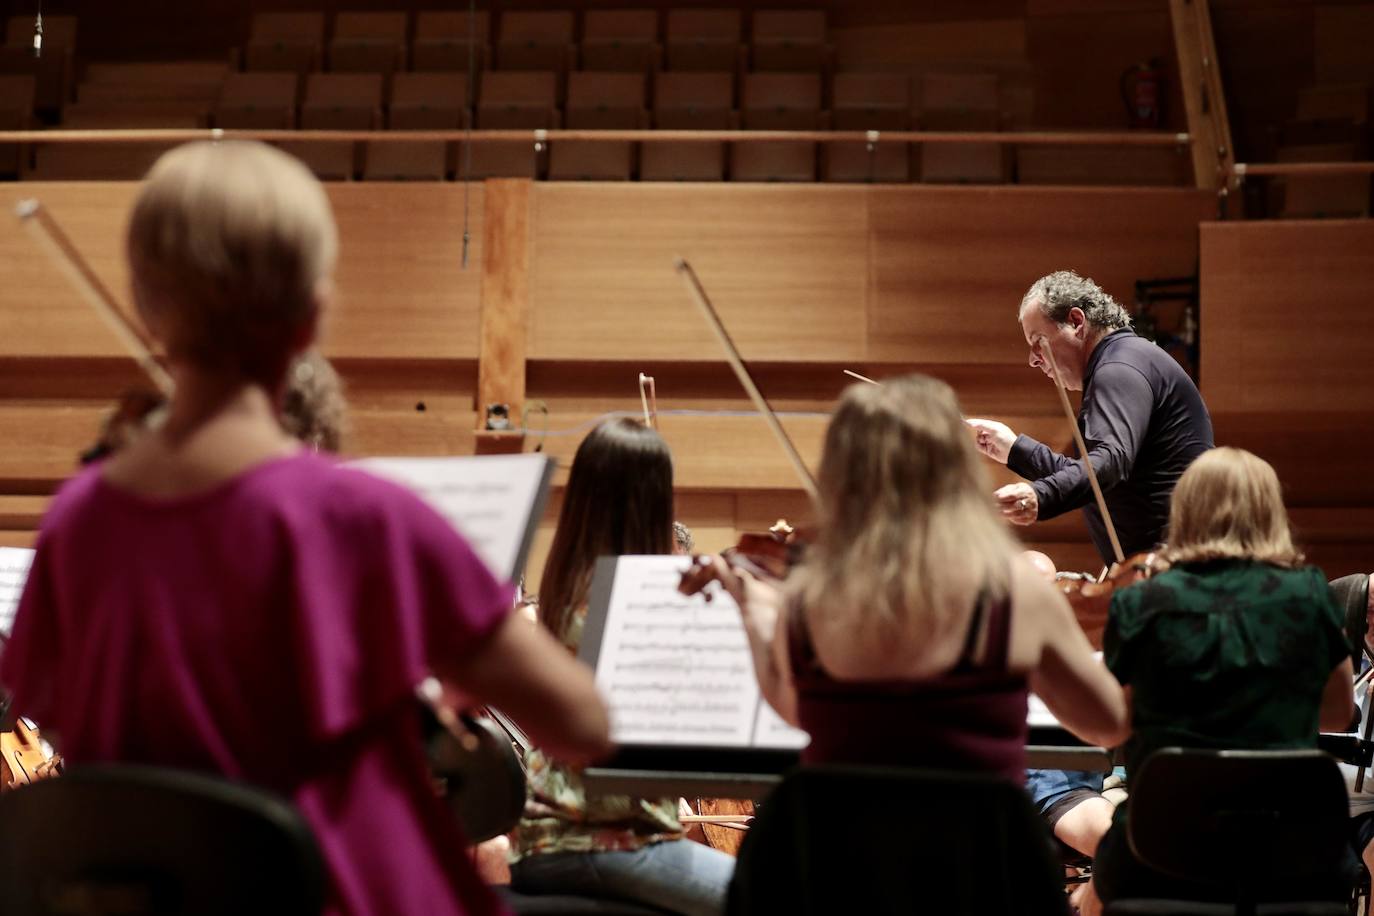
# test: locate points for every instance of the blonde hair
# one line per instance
(313, 408)
(908, 534)
(229, 244)
(1229, 505)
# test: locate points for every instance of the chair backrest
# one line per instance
(428, 100)
(835, 839)
(872, 101)
(1352, 595)
(287, 27)
(1239, 819)
(142, 840)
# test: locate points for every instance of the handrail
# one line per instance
(1247, 169)
(186, 135)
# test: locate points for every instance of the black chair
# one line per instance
(1247, 832)
(842, 839)
(1352, 595)
(143, 841)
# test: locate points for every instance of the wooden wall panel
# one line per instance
(402, 290)
(1286, 318)
(1077, 61)
(950, 264)
(41, 314)
(1344, 38)
(785, 266)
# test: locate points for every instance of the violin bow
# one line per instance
(862, 378)
(49, 236)
(703, 302)
(1082, 449)
(648, 399)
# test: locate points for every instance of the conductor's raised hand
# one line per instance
(1018, 503)
(992, 438)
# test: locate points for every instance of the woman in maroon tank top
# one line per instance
(912, 631)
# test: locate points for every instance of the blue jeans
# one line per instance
(1050, 786)
(676, 875)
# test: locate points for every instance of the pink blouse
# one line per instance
(271, 629)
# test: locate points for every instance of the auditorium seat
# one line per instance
(600, 101)
(16, 113)
(705, 39)
(621, 40)
(338, 101)
(1322, 196)
(689, 101)
(258, 101)
(790, 41)
(54, 72)
(778, 101)
(190, 81)
(368, 43)
(1329, 114)
(285, 41)
(870, 101)
(541, 40)
(420, 101)
(443, 39)
(1146, 166)
(961, 102)
(98, 161)
(513, 100)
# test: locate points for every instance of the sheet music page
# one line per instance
(1038, 715)
(14, 569)
(495, 501)
(674, 669)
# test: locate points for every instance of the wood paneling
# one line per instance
(785, 266)
(505, 295)
(1286, 318)
(950, 264)
(402, 291)
(1343, 41)
(1077, 62)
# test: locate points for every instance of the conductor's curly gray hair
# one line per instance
(1063, 290)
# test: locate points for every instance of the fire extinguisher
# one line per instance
(1142, 90)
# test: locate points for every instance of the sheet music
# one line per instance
(495, 501)
(1038, 715)
(674, 669)
(14, 569)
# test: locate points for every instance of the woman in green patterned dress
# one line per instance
(1237, 645)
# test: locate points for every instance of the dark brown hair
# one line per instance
(619, 500)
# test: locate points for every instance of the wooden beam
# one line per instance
(505, 311)
(1203, 97)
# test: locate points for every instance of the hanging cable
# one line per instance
(471, 113)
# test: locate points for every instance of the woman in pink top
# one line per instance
(215, 598)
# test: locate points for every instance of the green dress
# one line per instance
(1231, 653)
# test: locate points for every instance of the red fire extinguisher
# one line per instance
(1142, 90)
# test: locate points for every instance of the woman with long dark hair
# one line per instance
(619, 501)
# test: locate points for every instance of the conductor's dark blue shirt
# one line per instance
(1143, 422)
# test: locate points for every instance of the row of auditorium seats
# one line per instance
(631, 40)
(201, 93)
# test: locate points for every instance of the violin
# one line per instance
(23, 758)
(1091, 599)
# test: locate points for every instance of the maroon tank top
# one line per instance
(971, 718)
